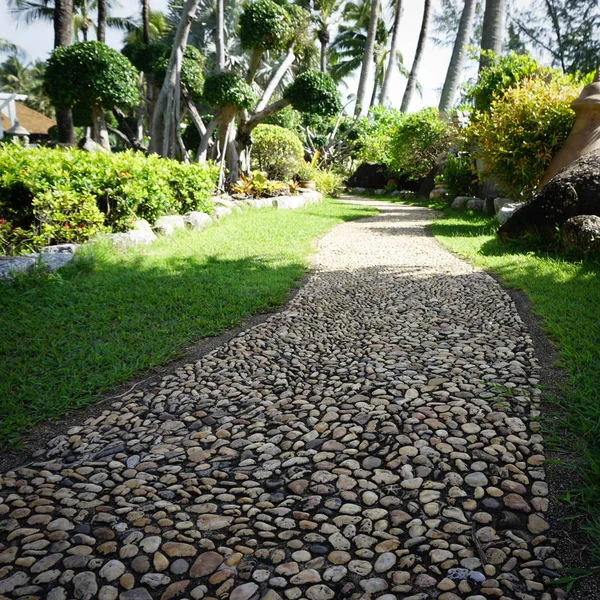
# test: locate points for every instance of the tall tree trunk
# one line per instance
(457, 62)
(220, 36)
(493, 29)
(383, 95)
(367, 57)
(324, 38)
(146, 21)
(411, 84)
(164, 120)
(101, 32)
(63, 26)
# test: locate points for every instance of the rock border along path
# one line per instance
(374, 440)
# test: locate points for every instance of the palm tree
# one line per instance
(367, 56)
(412, 80)
(383, 98)
(493, 26)
(63, 25)
(135, 31)
(326, 10)
(457, 62)
(13, 76)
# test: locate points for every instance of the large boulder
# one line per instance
(575, 190)
(371, 176)
(507, 211)
(582, 234)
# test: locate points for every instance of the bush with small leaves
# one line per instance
(153, 59)
(460, 175)
(314, 92)
(276, 151)
(266, 25)
(416, 143)
(90, 74)
(228, 88)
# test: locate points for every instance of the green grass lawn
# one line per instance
(68, 337)
(565, 293)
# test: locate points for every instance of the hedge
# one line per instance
(49, 196)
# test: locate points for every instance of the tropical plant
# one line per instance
(523, 130)
(374, 135)
(459, 175)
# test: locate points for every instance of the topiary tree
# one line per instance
(314, 92)
(94, 76)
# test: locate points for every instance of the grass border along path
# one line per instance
(565, 292)
(67, 338)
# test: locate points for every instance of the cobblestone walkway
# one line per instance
(371, 441)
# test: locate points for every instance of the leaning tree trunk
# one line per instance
(100, 130)
(367, 57)
(101, 33)
(63, 24)
(383, 95)
(411, 84)
(164, 120)
(493, 29)
(457, 62)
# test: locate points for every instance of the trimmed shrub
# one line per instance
(416, 143)
(276, 151)
(55, 195)
(523, 131)
(228, 88)
(314, 92)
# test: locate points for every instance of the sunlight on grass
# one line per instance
(70, 336)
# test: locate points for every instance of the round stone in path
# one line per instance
(351, 445)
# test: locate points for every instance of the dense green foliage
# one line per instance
(288, 117)
(266, 25)
(460, 176)
(276, 151)
(153, 59)
(314, 92)
(523, 131)
(501, 74)
(374, 134)
(90, 74)
(228, 88)
(52, 194)
(70, 336)
(416, 143)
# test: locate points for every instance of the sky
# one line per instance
(37, 39)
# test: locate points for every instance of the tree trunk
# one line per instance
(367, 57)
(457, 62)
(146, 21)
(411, 84)
(100, 131)
(383, 95)
(493, 29)
(164, 119)
(101, 32)
(220, 36)
(63, 26)
(323, 57)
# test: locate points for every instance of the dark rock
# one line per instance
(573, 191)
(582, 234)
(370, 175)
(508, 520)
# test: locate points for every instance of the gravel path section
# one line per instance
(374, 440)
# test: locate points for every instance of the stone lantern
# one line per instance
(18, 132)
(585, 135)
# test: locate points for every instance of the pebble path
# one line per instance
(374, 440)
